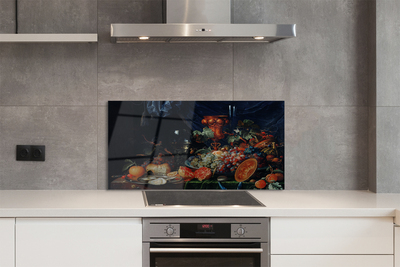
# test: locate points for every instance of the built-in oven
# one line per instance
(206, 242)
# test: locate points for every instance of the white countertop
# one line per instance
(120, 203)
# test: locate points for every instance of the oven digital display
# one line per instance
(205, 227)
(205, 230)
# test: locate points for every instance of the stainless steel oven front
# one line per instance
(206, 242)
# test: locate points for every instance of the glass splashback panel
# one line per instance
(200, 145)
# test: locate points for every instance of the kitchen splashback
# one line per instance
(198, 145)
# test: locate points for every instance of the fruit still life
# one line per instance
(192, 145)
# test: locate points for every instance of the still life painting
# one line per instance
(196, 145)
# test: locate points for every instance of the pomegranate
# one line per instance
(186, 173)
(203, 173)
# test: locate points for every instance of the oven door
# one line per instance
(182, 254)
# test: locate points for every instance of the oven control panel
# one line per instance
(206, 229)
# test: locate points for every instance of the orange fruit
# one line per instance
(245, 170)
(260, 184)
(271, 178)
(136, 172)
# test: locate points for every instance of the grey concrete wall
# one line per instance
(7, 16)
(56, 94)
(387, 131)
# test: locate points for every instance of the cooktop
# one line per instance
(199, 198)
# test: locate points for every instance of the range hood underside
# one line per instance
(200, 33)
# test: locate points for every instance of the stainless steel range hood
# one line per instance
(194, 21)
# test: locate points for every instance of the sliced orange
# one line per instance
(245, 170)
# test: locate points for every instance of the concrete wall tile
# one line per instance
(102, 148)
(324, 65)
(57, 16)
(326, 148)
(388, 52)
(388, 149)
(126, 11)
(7, 16)
(48, 74)
(372, 156)
(165, 71)
(70, 137)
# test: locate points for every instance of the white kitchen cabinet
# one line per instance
(7, 244)
(397, 246)
(347, 236)
(332, 260)
(78, 242)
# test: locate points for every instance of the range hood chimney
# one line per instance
(199, 21)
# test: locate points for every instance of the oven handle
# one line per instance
(206, 250)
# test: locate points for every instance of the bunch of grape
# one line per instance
(230, 160)
(204, 160)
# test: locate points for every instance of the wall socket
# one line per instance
(30, 153)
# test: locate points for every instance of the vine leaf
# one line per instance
(247, 135)
(129, 163)
(208, 132)
(232, 138)
(196, 132)
(203, 136)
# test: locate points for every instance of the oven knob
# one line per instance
(240, 231)
(170, 231)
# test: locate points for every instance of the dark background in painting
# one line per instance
(269, 115)
(140, 130)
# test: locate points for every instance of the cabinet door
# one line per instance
(331, 260)
(78, 242)
(332, 235)
(397, 246)
(7, 243)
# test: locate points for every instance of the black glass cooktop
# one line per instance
(199, 198)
